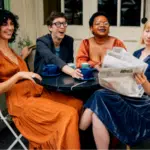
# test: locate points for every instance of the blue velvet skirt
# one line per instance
(126, 118)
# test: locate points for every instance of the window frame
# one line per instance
(143, 9)
(119, 14)
(63, 10)
(1, 4)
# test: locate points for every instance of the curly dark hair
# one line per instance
(101, 13)
(53, 16)
(4, 16)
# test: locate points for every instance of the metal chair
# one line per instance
(6, 118)
(18, 137)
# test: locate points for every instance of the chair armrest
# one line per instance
(30, 59)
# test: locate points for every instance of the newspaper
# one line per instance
(117, 72)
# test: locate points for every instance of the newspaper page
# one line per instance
(117, 73)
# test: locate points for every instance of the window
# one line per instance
(73, 10)
(110, 8)
(1, 4)
(130, 12)
(50, 6)
(122, 12)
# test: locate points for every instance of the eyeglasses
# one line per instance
(102, 23)
(58, 24)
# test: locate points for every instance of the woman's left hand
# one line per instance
(25, 52)
(140, 78)
(77, 74)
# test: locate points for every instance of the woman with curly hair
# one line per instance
(47, 120)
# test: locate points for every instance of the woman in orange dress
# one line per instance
(93, 49)
(46, 119)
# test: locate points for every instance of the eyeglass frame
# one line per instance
(58, 24)
(106, 23)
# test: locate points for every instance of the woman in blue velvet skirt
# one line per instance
(126, 118)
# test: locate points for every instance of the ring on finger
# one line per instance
(33, 76)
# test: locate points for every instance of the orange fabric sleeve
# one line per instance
(83, 54)
(119, 43)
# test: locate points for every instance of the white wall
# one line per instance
(31, 18)
(25, 9)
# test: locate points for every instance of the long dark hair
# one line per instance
(4, 16)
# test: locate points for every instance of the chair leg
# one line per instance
(127, 147)
(18, 138)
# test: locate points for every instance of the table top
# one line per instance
(66, 83)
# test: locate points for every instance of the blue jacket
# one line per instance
(147, 60)
(45, 52)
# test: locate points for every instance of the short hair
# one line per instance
(4, 16)
(96, 15)
(53, 16)
(146, 26)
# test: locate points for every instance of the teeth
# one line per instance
(102, 30)
(8, 32)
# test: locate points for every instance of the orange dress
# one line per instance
(93, 53)
(46, 119)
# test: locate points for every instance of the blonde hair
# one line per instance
(146, 26)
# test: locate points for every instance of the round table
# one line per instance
(66, 83)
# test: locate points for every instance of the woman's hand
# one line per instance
(140, 78)
(6, 85)
(97, 67)
(29, 75)
(25, 52)
(77, 74)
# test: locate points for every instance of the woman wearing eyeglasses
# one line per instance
(93, 49)
(56, 47)
(127, 118)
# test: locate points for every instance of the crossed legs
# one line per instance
(101, 135)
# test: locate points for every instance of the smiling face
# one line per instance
(100, 26)
(6, 30)
(58, 28)
(146, 34)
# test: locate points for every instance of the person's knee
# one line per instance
(82, 126)
(86, 119)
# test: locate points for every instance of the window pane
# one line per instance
(130, 12)
(74, 11)
(50, 6)
(1, 4)
(110, 8)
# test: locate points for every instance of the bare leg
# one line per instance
(101, 135)
(86, 119)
